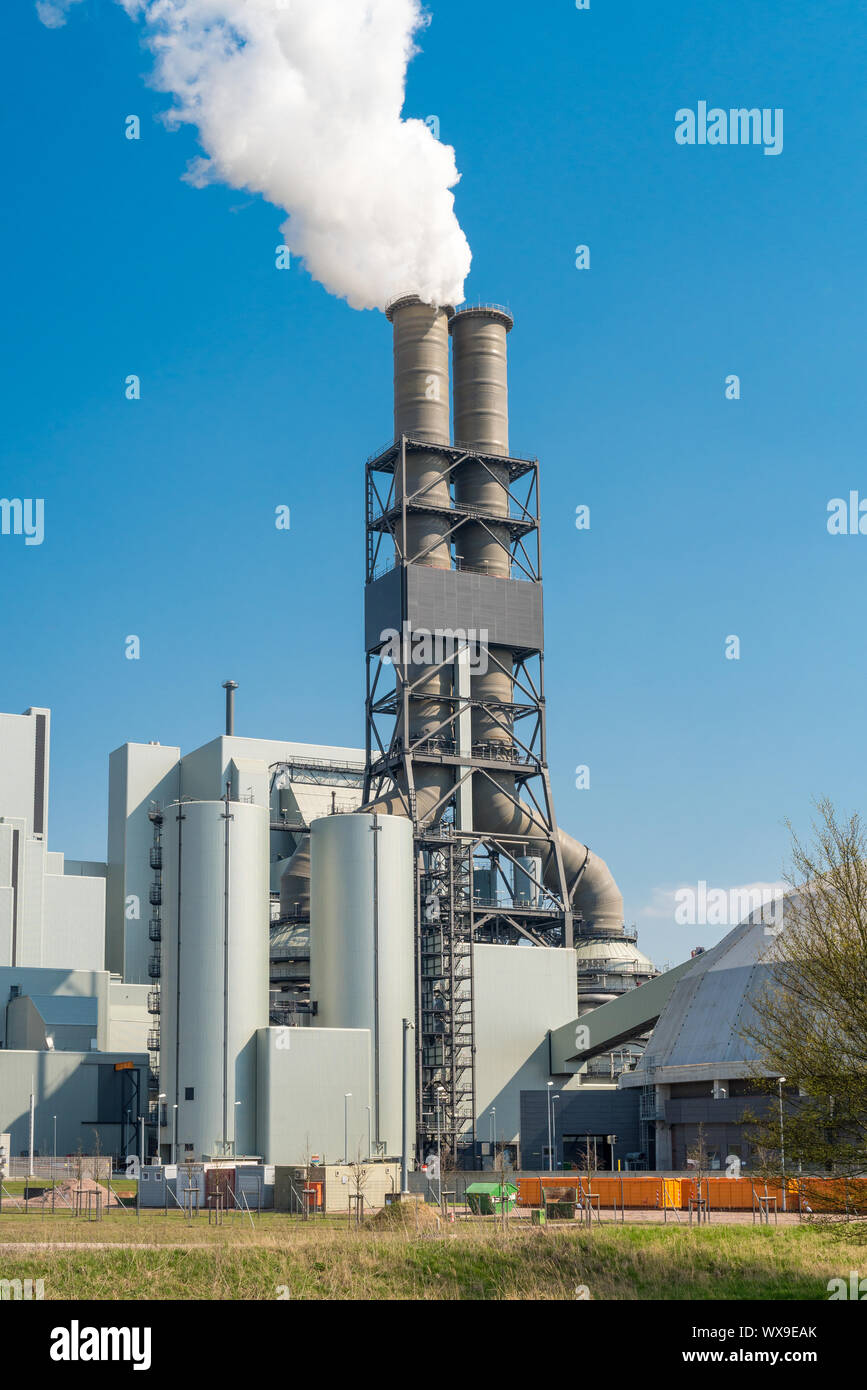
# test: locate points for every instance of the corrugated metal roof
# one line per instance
(709, 1008)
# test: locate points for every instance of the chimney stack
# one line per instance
(230, 687)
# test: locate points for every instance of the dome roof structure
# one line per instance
(614, 953)
(700, 1031)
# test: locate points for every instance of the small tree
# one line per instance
(359, 1175)
(97, 1152)
(809, 1022)
(697, 1157)
(500, 1169)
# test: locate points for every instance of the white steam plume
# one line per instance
(300, 101)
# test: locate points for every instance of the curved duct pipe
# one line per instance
(481, 408)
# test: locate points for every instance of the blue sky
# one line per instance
(708, 516)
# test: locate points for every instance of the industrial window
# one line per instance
(188, 1148)
(190, 1093)
(144, 1175)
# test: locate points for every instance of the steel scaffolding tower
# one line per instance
(472, 884)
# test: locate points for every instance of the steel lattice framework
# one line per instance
(466, 878)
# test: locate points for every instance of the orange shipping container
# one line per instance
(529, 1192)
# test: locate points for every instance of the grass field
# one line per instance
(123, 1257)
(124, 1187)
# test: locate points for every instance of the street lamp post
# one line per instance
(54, 1159)
(554, 1100)
(550, 1154)
(175, 1132)
(493, 1134)
(347, 1097)
(439, 1146)
(369, 1154)
(404, 1130)
(160, 1098)
(781, 1082)
(235, 1126)
(30, 1172)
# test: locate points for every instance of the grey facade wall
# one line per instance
(82, 1089)
(578, 1112)
(519, 995)
(303, 1076)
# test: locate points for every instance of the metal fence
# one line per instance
(61, 1168)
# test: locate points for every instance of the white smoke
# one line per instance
(300, 101)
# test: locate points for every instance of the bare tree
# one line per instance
(359, 1175)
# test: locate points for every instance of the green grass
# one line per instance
(124, 1187)
(328, 1260)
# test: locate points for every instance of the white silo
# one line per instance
(214, 985)
(362, 949)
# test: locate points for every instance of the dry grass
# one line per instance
(176, 1259)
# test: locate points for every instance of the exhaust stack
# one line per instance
(481, 400)
(230, 687)
(460, 501)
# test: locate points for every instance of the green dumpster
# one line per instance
(491, 1198)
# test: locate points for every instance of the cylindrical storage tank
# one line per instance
(362, 950)
(484, 885)
(214, 986)
(527, 877)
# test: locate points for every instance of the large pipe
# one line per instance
(481, 409)
(481, 401)
(421, 412)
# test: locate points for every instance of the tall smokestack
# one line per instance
(481, 401)
(471, 523)
(421, 410)
(230, 687)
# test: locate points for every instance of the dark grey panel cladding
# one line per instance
(510, 610)
(730, 1110)
(578, 1112)
(39, 778)
(382, 608)
(110, 1094)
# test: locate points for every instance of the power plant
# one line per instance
(380, 952)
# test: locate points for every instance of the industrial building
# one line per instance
(699, 1068)
(297, 949)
